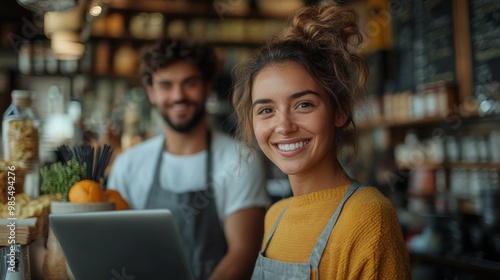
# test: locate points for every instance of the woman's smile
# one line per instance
(292, 146)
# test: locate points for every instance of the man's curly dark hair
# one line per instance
(168, 51)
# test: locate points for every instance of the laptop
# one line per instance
(122, 245)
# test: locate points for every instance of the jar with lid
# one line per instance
(20, 135)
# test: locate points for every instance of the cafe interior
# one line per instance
(428, 124)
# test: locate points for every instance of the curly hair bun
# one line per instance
(325, 26)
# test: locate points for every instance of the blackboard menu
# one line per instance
(485, 46)
(402, 19)
(424, 42)
(433, 42)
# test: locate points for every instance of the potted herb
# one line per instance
(58, 178)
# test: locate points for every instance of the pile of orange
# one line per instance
(116, 197)
(88, 191)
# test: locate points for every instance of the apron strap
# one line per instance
(208, 170)
(320, 246)
(271, 233)
(208, 167)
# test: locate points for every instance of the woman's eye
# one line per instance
(304, 105)
(264, 111)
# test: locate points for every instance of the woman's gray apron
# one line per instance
(196, 216)
(266, 268)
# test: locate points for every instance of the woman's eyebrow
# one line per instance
(291, 97)
(302, 93)
(261, 101)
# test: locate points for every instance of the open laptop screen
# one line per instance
(127, 244)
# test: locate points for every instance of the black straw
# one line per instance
(95, 159)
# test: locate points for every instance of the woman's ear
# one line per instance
(340, 119)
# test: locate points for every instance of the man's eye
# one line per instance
(164, 86)
(191, 83)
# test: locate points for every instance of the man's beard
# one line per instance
(186, 127)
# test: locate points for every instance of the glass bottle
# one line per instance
(38, 57)
(24, 58)
(21, 138)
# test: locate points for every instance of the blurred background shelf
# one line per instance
(480, 269)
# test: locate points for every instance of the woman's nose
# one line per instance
(285, 124)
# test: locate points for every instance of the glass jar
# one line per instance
(21, 138)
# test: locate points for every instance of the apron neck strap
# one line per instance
(209, 160)
(325, 235)
(271, 233)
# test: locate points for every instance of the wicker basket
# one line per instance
(27, 230)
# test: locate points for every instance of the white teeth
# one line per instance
(179, 106)
(293, 146)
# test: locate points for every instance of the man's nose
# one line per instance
(177, 93)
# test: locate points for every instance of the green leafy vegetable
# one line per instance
(59, 178)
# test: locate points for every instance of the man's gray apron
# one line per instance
(196, 216)
(270, 269)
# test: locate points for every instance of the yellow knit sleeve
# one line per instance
(367, 242)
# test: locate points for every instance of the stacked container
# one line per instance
(20, 134)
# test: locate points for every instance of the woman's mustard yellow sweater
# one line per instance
(366, 242)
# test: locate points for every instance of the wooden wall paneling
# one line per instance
(462, 50)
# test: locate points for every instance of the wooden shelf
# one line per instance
(462, 165)
(55, 75)
(430, 121)
(133, 79)
(186, 10)
(143, 41)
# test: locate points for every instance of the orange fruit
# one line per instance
(85, 191)
(116, 197)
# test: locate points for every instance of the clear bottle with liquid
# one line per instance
(15, 263)
(20, 135)
(25, 57)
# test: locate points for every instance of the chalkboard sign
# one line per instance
(424, 42)
(485, 46)
(433, 42)
(402, 19)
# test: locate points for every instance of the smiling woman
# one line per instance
(292, 119)
(295, 98)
